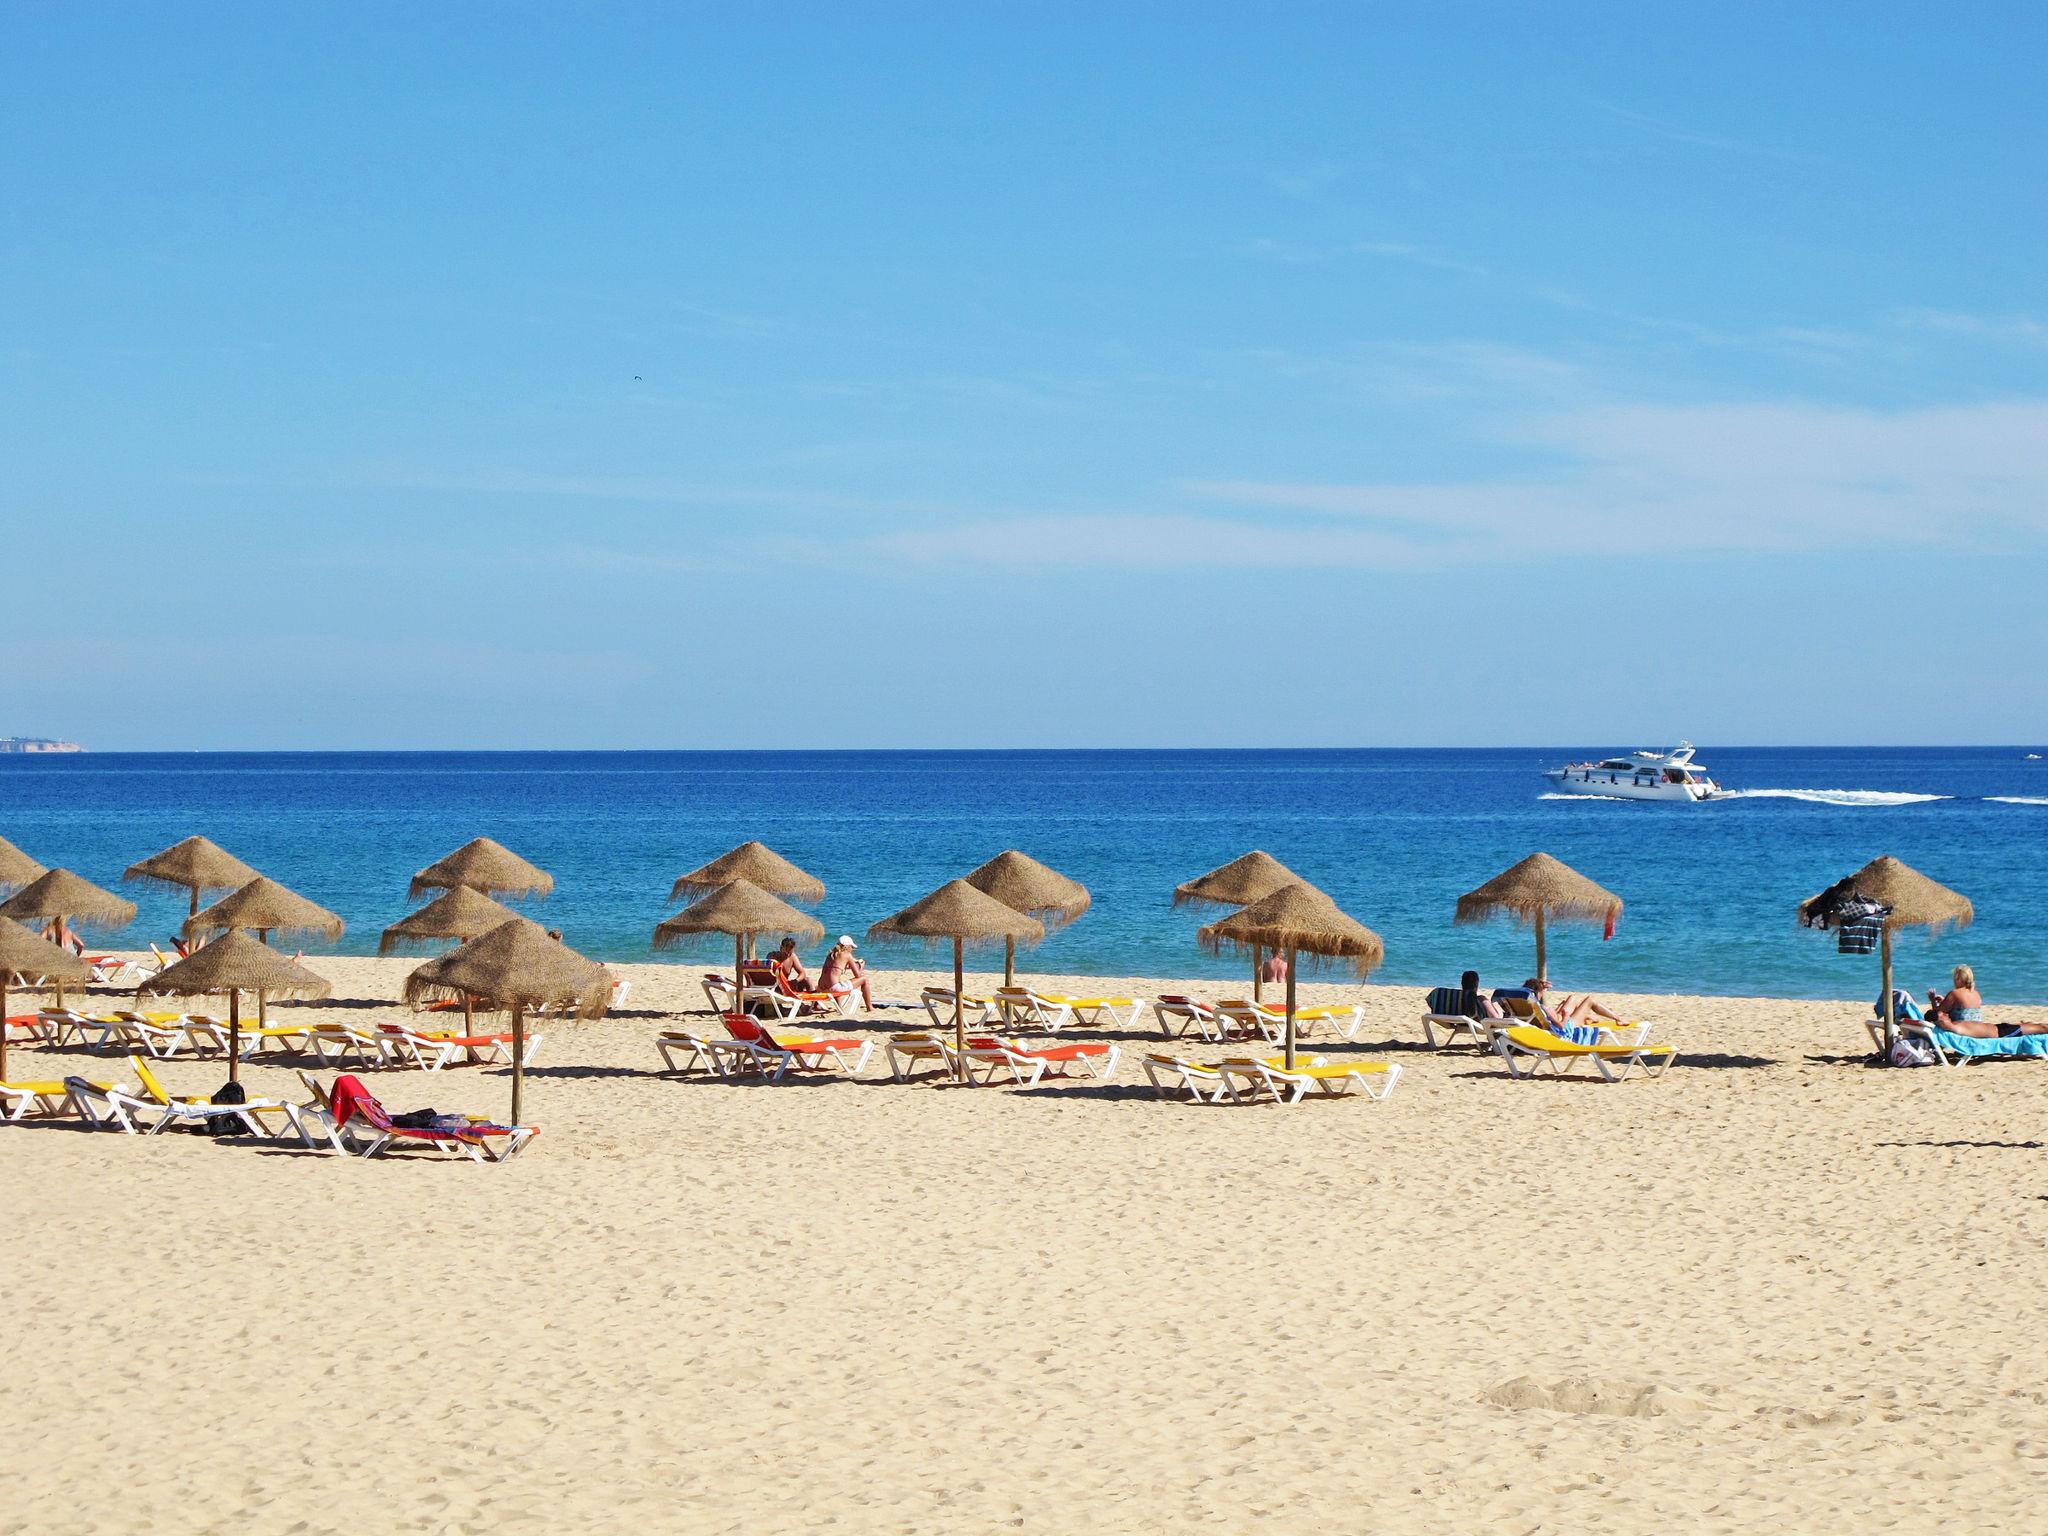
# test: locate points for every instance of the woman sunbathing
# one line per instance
(842, 973)
(1961, 1011)
(1569, 1009)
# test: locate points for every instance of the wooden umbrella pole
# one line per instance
(1290, 1010)
(518, 1055)
(1542, 967)
(1009, 960)
(739, 951)
(234, 1034)
(1258, 974)
(4, 979)
(57, 934)
(959, 1013)
(1884, 949)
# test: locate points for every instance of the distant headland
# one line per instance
(37, 744)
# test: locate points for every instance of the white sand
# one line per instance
(1774, 1290)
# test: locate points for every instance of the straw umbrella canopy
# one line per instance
(760, 866)
(957, 911)
(516, 966)
(1245, 879)
(240, 962)
(1536, 890)
(1915, 902)
(28, 960)
(1298, 920)
(461, 914)
(195, 866)
(485, 866)
(743, 911)
(264, 907)
(1024, 885)
(59, 897)
(16, 868)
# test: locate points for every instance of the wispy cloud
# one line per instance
(2025, 330)
(1700, 138)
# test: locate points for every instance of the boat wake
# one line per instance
(2018, 799)
(1623, 798)
(1842, 797)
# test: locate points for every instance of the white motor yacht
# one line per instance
(1639, 776)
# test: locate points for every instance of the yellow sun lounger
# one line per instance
(1528, 1051)
(1265, 1019)
(1268, 1077)
(38, 1099)
(1053, 1011)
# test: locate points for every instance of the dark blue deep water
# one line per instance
(1394, 835)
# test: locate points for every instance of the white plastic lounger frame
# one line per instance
(1271, 1023)
(718, 992)
(1526, 1058)
(1263, 1079)
(1177, 1016)
(720, 1058)
(907, 1051)
(1027, 1066)
(938, 1002)
(1457, 1026)
(1173, 1076)
(118, 1109)
(776, 1060)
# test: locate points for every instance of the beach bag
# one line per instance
(1910, 1052)
(418, 1120)
(228, 1125)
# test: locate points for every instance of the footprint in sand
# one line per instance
(1591, 1394)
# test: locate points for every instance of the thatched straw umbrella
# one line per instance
(743, 911)
(29, 960)
(517, 966)
(461, 914)
(957, 911)
(1298, 920)
(1245, 879)
(1024, 885)
(1536, 890)
(485, 866)
(760, 866)
(237, 963)
(195, 866)
(58, 897)
(1916, 902)
(264, 907)
(16, 868)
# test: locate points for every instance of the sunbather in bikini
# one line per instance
(1961, 1011)
(1569, 1009)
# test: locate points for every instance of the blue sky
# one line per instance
(1023, 375)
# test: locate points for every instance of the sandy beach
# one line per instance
(1774, 1288)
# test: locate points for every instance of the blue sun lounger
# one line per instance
(1956, 1050)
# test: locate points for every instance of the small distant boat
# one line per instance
(1639, 776)
(2033, 757)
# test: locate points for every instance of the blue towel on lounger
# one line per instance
(2009, 1045)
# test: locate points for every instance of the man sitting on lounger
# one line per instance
(1568, 1010)
(791, 969)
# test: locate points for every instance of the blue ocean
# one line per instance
(1394, 835)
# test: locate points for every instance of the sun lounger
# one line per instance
(29, 1027)
(1178, 1016)
(1026, 1064)
(1249, 1079)
(909, 1050)
(778, 1053)
(1954, 1050)
(1172, 1076)
(356, 1112)
(720, 1058)
(1528, 1050)
(938, 1002)
(66, 1025)
(1050, 1012)
(718, 992)
(342, 1044)
(765, 988)
(39, 1099)
(1262, 1019)
(153, 1109)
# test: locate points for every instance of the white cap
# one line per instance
(846, 940)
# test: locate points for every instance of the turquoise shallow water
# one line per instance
(1394, 835)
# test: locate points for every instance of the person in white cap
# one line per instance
(842, 973)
